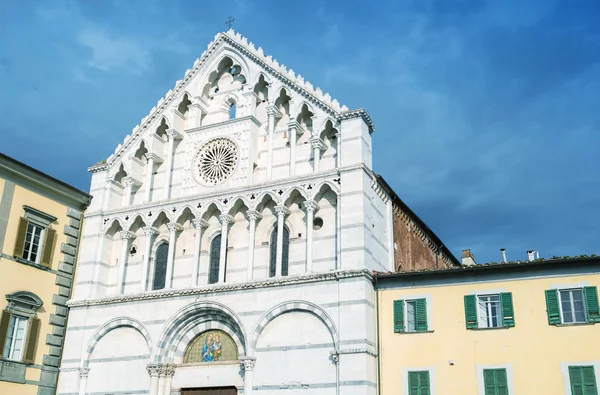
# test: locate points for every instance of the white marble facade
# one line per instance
(179, 239)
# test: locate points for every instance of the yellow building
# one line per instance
(40, 226)
(497, 329)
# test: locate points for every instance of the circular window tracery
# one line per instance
(216, 161)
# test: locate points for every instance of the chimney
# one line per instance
(532, 255)
(468, 259)
(503, 251)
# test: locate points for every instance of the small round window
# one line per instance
(317, 223)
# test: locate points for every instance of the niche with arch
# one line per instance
(211, 346)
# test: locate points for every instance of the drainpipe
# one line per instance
(378, 341)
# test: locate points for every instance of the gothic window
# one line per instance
(232, 110)
(284, 253)
(160, 266)
(215, 256)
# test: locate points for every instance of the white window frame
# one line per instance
(40, 246)
(413, 301)
(40, 220)
(510, 377)
(488, 311)
(562, 314)
(564, 369)
(428, 300)
(9, 348)
(432, 378)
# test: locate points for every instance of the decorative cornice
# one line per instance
(291, 182)
(226, 287)
(357, 350)
(360, 113)
(236, 40)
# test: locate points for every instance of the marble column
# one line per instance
(128, 183)
(310, 206)
(225, 220)
(248, 364)
(281, 211)
(338, 149)
(272, 112)
(318, 146)
(154, 372)
(152, 160)
(173, 229)
(149, 232)
(293, 129)
(83, 376)
(167, 373)
(126, 238)
(172, 135)
(253, 216)
(199, 225)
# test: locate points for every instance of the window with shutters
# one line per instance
(285, 252)
(35, 237)
(19, 327)
(418, 383)
(410, 315)
(495, 382)
(160, 266)
(572, 305)
(582, 380)
(486, 310)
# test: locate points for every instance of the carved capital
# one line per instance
(311, 206)
(174, 227)
(173, 134)
(316, 142)
(253, 215)
(154, 157)
(248, 363)
(127, 235)
(225, 219)
(199, 223)
(150, 231)
(153, 370)
(167, 370)
(131, 182)
(83, 372)
(273, 111)
(282, 210)
(294, 125)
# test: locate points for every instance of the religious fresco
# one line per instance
(211, 346)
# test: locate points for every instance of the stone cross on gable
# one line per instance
(229, 22)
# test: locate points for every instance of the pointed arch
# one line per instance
(111, 228)
(137, 222)
(185, 101)
(224, 52)
(182, 213)
(318, 188)
(161, 129)
(290, 194)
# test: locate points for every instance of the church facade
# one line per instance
(231, 242)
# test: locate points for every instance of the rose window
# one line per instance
(217, 160)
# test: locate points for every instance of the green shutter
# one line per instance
(589, 380)
(501, 382)
(32, 339)
(591, 303)
(421, 314)
(424, 382)
(552, 307)
(489, 381)
(471, 311)
(508, 312)
(48, 247)
(398, 316)
(413, 383)
(4, 324)
(576, 380)
(21, 236)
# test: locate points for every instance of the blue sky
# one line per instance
(487, 113)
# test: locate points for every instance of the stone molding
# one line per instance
(215, 288)
(308, 185)
(294, 82)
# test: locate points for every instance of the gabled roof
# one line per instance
(295, 82)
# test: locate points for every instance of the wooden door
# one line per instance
(210, 391)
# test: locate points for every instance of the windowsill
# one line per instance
(574, 324)
(491, 329)
(26, 262)
(415, 332)
(12, 371)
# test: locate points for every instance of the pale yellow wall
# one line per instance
(533, 347)
(20, 277)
